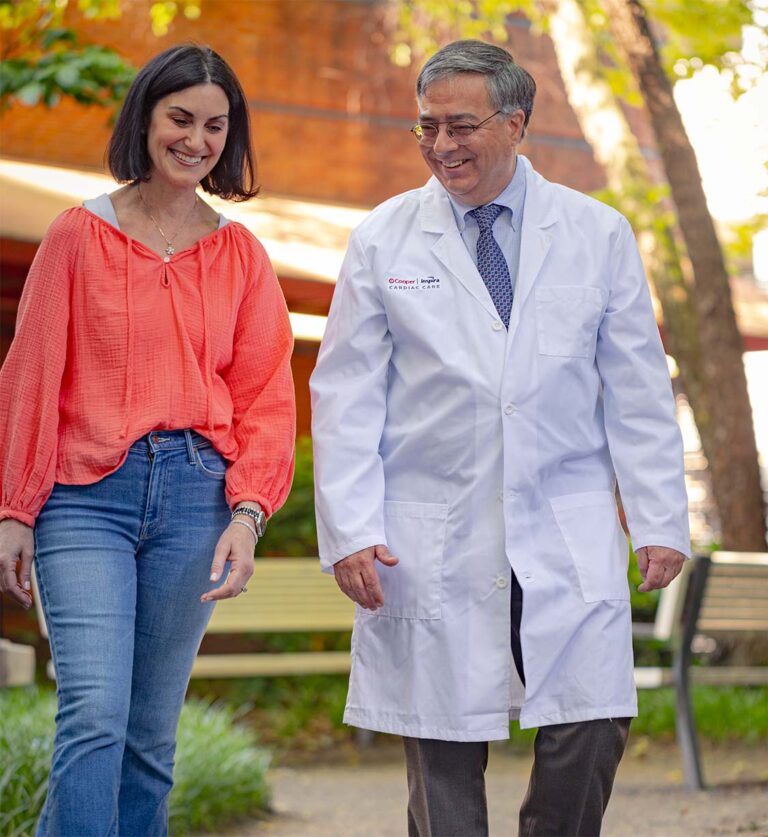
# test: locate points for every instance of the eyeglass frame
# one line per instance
(457, 140)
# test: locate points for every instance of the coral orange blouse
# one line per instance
(113, 342)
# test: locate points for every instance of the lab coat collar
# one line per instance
(436, 216)
(449, 248)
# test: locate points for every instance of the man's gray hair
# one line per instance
(510, 87)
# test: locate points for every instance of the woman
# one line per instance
(146, 431)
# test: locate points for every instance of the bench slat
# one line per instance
(757, 583)
(286, 594)
(730, 675)
(748, 595)
(275, 620)
(271, 665)
(649, 677)
(759, 559)
(753, 587)
(730, 625)
(751, 610)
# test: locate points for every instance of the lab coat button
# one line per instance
(509, 409)
(501, 582)
(500, 496)
(497, 326)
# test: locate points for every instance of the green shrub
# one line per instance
(26, 746)
(722, 714)
(291, 532)
(219, 774)
(296, 714)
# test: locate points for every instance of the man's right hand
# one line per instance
(357, 577)
(17, 545)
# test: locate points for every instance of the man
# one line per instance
(491, 367)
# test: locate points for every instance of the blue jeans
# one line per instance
(121, 566)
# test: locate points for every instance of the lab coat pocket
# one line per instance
(416, 535)
(567, 319)
(589, 524)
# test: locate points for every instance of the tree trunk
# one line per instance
(615, 146)
(725, 423)
(617, 150)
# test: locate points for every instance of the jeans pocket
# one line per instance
(210, 462)
(416, 535)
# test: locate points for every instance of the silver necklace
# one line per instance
(169, 249)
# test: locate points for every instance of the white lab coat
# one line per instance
(469, 449)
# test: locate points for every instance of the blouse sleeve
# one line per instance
(30, 379)
(261, 385)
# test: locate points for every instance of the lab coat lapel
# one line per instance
(538, 219)
(449, 248)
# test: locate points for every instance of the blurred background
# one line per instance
(638, 117)
(330, 86)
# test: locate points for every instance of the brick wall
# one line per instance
(330, 110)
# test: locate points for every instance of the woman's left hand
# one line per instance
(236, 546)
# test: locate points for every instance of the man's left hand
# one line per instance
(658, 566)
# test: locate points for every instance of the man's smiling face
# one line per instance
(479, 171)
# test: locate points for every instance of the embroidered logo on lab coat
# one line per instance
(420, 283)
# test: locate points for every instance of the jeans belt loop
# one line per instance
(190, 447)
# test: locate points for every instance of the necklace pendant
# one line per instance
(170, 250)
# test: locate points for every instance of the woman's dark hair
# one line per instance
(234, 176)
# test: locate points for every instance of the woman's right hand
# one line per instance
(17, 546)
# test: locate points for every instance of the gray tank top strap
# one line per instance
(104, 208)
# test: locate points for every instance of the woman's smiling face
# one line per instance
(187, 134)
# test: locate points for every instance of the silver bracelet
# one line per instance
(256, 515)
(248, 527)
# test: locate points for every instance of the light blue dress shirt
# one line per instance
(507, 228)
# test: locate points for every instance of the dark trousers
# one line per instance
(571, 779)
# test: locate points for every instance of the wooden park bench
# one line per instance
(725, 593)
(284, 595)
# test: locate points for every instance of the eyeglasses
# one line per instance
(460, 132)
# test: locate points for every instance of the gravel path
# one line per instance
(368, 799)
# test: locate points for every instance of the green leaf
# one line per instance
(57, 36)
(67, 76)
(30, 93)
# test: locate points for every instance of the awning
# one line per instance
(306, 241)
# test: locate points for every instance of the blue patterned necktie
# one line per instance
(491, 263)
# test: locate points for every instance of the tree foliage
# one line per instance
(42, 59)
(92, 75)
(690, 34)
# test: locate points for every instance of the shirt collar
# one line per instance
(513, 198)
